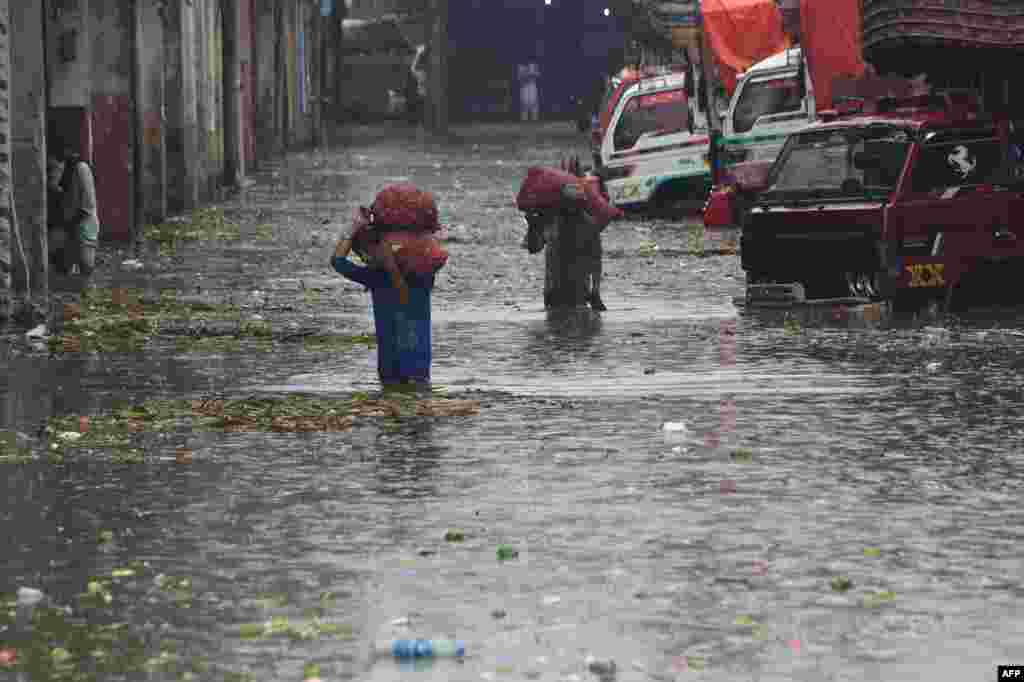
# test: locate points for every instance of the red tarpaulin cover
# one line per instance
(742, 33)
(830, 40)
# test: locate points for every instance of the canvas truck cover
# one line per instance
(831, 44)
(742, 33)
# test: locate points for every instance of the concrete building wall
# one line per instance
(6, 178)
(111, 118)
(267, 120)
(68, 52)
(210, 75)
(137, 86)
(149, 112)
(28, 137)
(182, 118)
(246, 41)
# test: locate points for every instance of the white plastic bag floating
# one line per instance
(675, 432)
(27, 596)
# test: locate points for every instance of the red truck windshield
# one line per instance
(826, 161)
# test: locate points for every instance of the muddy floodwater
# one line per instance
(695, 491)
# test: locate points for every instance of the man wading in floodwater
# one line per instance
(394, 235)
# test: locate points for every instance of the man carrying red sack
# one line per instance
(566, 214)
(395, 237)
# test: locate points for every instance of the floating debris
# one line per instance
(744, 455)
(841, 583)
(875, 599)
(289, 414)
(506, 552)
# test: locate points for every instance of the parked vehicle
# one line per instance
(375, 68)
(652, 149)
(908, 196)
(772, 99)
(617, 86)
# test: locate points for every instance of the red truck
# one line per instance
(899, 198)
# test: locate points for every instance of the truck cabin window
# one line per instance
(764, 98)
(958, 163)
(841, 161)
(658, 113)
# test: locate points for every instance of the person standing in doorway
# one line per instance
(75, 227)
(529, 95)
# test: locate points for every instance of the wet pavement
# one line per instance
(695, 491)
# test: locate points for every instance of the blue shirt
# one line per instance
(403, 331)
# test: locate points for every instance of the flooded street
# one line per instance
(695, 491)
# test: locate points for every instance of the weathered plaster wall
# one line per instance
(180, 105)
(212, 122)
(28, 135)
(68, 51)
(265, 96)
(246, 40)
(111, 27)
(6, 242)
(149, 111)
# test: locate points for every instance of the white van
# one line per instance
(767, 105)
(655, 144)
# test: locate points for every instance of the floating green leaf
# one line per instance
(454, 536)
(252, 630)
(872, 551)
(648, 248)
(744, 455)
(841, 583)
(233, 676)
(878, 598)
(272, 600)
(506, 552)
(695, 239)
(744, 620)
(310, 670)
(337, 342)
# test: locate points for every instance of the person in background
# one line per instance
(529, 96)
(416, 84)
(75, 225)
(401, 311)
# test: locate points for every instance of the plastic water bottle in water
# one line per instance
(421, 648)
